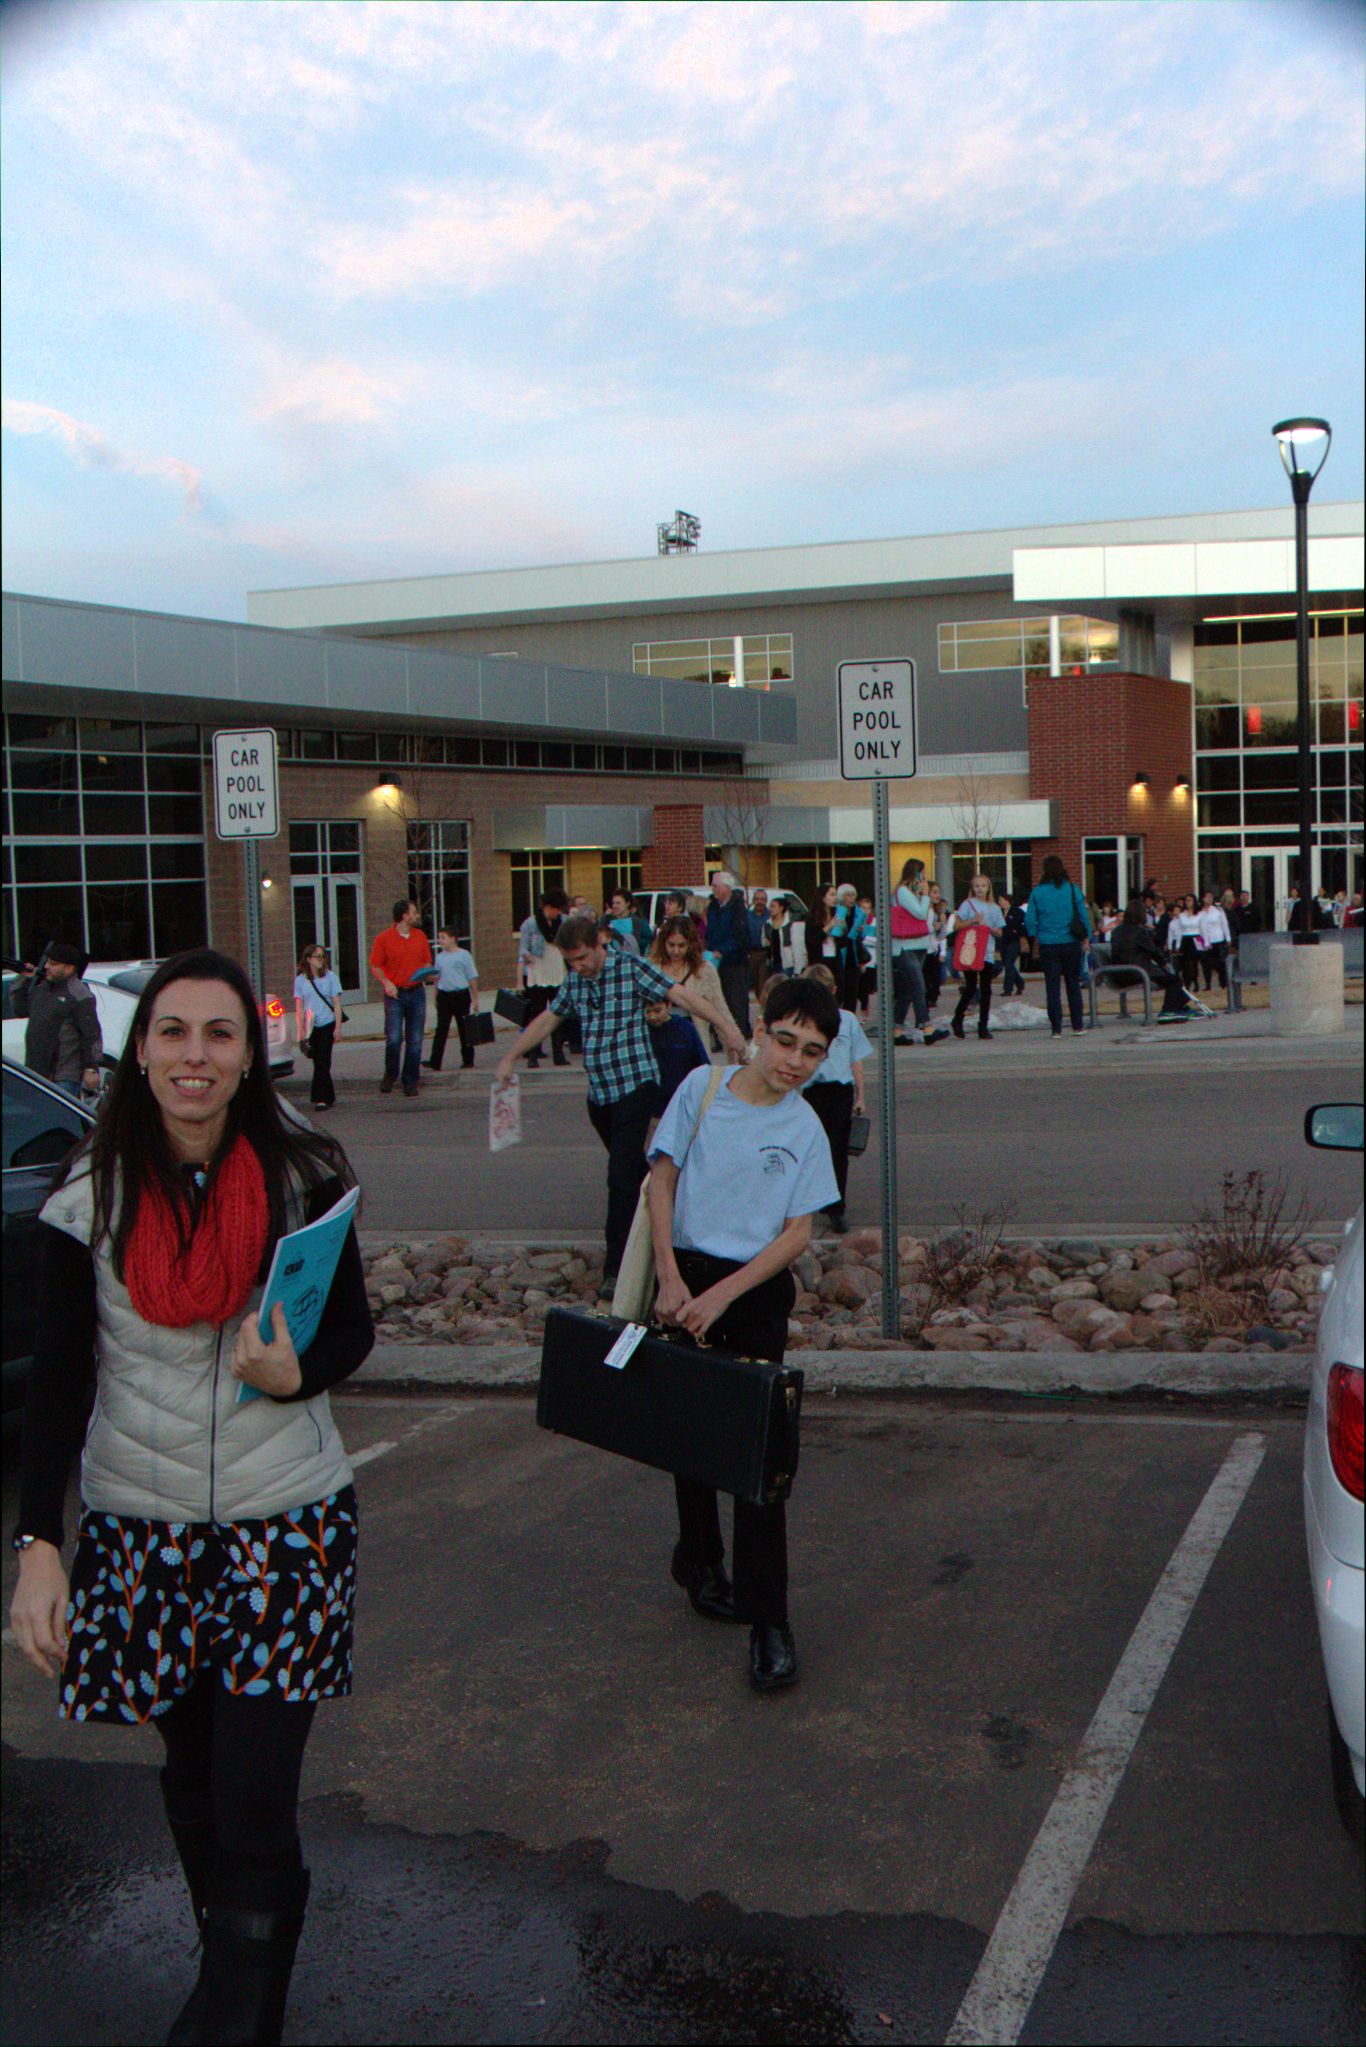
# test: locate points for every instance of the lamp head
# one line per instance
(1304, 445)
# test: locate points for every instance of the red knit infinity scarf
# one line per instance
(213, 1277)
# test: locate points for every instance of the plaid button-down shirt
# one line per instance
(617, 1054)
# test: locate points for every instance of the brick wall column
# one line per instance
(1089, 735)
(676, 856)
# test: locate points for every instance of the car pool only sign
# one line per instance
(877, 719)
(246, 785)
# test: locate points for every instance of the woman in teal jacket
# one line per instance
(1059, 922)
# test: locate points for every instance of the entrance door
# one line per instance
(1269, 877)
(327, 911)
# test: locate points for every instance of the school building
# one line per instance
(1122, 693)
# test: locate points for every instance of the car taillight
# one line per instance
(273, 1006)
(1345, 1426)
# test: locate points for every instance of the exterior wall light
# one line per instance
(388, 781)
(1141, 779)
(1183, 785)
(266, 882)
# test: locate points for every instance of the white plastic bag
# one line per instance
(1017, 1016)
(505, 1114)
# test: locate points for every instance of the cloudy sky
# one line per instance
(313, 292)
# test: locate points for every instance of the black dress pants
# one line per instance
(754, 1326)
(322, 1092)
(622, 1126)
(538, 999)
(234, 1762)
(833, 1102)
(975, 978)
(452, 1005)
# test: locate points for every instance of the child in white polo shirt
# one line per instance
(732, 1194)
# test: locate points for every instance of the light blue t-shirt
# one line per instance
(749, 1170)
(988, 913)
(318, 998)
(838, 1063)
(454, 970)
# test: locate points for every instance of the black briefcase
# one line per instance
(477, 1028)
(719, 1420)
(507, 1003)
(859, 1127)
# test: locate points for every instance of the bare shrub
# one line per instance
(956, 1262)
(1250, 1233)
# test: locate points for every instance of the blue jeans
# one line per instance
(908, 988)
(405, 1018)
(1012, 980)
(1062, 963)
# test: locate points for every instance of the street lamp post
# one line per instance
(1304, 445)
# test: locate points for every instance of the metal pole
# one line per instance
(886, 1051)
(1306, 934)
(256, 951)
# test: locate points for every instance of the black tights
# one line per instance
(234, 1763)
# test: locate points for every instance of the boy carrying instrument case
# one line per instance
(722, 1421)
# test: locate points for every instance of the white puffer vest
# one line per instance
(167, 1440)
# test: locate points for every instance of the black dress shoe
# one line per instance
(707, 1587)
(986, 1034)
(772, 1659)
(956, 1027)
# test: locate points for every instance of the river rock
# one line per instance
(1075, 1290)
(1124, 1291)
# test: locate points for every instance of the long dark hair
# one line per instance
(678, 927)
(1054, 871)
(130, 1151)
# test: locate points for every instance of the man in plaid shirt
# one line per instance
(609, 990)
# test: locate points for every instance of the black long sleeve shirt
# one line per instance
(62, 1386)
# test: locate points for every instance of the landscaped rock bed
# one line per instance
(1042, 1295)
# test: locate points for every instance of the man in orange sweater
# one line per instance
(401, 961)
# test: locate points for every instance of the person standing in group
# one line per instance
(1184, 940)
(400, 960)
(214, 1575)
(1013, 936)
(63, 1040)
(609, 991)
(678, 950)
(627, 921)
(822, 942)
(734, 1186)
(934, 958)
(1056, 917)
(758, 946)
(848, 928)
(912, 944)
(978, 909)
(867, 986)
(727, 944)
(1216, 938)
(1246, 918)
(318, 1019)
(457, 996)
(784, 939)
(835, 1092)
(540, 963)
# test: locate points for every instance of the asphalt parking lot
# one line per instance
(555, 1811)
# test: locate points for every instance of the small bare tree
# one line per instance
(740, 827)
(975, 815)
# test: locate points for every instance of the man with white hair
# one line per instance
(727, 944)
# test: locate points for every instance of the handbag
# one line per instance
(1077, 928)
(970, 948)
(633, 1295)
(905, 924)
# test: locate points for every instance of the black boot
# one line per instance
(255, 1917)
(195, 1845)
(772, 1658)
(706, 1585)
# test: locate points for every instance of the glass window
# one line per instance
(556, 753)
(463, 752)
(116, 816)
(666, 761)
(1270, 806)
(182, 777)
(120, 927)
(344, 836)
(689, 761)
(1216, 727)
(1218, 771)
(640, 760)
(532, 873)
(42, 770)
(1102, 641)
(177, 859)
(526, 753)
(586, 757)
(120, 860)
(39, 864)
(613, 760)
(439, 873)
(1218, 810)
(620, 869)
(105, 772)
(172, 815)
(1022, 643)
(110, 735)
(317, 746)
(40, 1128)
(495, 753)
(1216, 685)
(45, 816)
(48, 913)
(303, 838)
(1268, 724)
(1269, 771)
(179, 916)
(356, 746)
(172, 738)
(28, 730)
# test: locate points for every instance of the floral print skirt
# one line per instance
(267, 1605)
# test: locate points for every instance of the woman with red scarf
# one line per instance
(213, 1579)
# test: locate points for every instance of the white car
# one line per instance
(1333, 1511)
(116, 986)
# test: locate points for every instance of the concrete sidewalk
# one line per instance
(1215, 1375)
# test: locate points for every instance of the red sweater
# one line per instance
(399, 958)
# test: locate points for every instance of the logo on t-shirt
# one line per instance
(775, 1157)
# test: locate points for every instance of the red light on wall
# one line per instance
(1254, 720)
(1354, 717)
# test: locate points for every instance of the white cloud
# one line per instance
(93, 449)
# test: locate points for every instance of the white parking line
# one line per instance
(999, 1996)
(371, 1450)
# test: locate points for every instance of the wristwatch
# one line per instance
(23, 1542)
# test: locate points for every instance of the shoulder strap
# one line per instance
(708, 1097)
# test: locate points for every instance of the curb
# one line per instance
(1216, 1375)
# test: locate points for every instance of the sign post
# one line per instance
(246, 802)
(877, 741)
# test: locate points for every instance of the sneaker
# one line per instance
(386, 1086)
(410, 1092)
(935, 1033)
